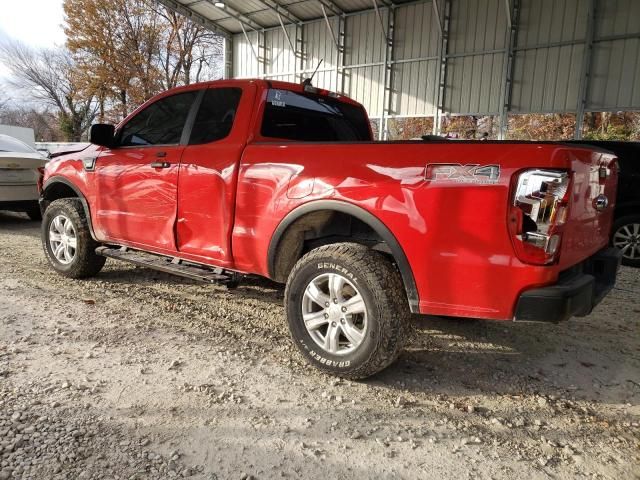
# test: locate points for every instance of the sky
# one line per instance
(37, 23)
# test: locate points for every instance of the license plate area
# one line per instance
(17, 176)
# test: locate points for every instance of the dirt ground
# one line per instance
(137, 374)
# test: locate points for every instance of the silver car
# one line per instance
(20, 169)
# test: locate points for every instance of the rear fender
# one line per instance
(363, 215)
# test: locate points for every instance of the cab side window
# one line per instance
(216, 115)
(161, 123)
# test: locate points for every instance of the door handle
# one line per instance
(160, 164)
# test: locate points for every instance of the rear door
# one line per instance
(209, 172)
(136, 181)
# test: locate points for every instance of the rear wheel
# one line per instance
(347, 310)
(626, 237)
(67, 240)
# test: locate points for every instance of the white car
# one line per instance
(20, 170)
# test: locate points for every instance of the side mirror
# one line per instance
(102, 134)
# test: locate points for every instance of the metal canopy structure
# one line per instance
(430, 58)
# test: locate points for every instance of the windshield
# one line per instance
(10, 144)
(313, 118)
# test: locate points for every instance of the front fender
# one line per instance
(57, 187)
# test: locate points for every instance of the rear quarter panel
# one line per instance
(454, 234)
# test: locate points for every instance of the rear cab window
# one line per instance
(308, 117)
(216, 115)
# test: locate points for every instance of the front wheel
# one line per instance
(347, 310)
(67, 240)
(626, 237)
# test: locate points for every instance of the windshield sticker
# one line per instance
(277, 101)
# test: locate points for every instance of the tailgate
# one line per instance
(592, 202)
(20, 168)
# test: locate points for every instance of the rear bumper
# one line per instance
(576, 293)
(18, 193)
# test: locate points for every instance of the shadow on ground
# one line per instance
(595, 357)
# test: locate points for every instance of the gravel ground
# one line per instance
(137, 374)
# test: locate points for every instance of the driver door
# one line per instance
(136, 181)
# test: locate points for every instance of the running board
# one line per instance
(175, 266)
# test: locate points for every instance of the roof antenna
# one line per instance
(307, 81)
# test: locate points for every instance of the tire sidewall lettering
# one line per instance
(339, 269)
(325, 361)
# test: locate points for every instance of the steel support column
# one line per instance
(227, 49)
(300, 37)
(444, 14)
(298, 64)
(262, 53)
(340, 54)
(513, 21)
(388, 72)
(585, 75)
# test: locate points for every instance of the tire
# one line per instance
(375, 337)
(34, 213)
(626, 237)
(78, 262)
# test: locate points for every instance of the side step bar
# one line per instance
(175, 266)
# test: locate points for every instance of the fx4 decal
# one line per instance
(456, 172)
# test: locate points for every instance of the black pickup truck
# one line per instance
(626, 229)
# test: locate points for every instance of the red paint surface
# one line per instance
(221, 203)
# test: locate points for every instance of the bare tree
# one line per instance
(189, 52)
(45, 124)
(47, 75)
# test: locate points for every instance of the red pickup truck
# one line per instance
(218, 180)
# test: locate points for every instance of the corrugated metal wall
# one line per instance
(415, 61)
(280, 58)
(317, 43)
(474, 78)
(547, 78)
(615, 69)
(548, 56)
(364, 57)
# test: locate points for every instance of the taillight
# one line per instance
(539, 210)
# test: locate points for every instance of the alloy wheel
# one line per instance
(62, 239)
(334, 313)
(627, 239)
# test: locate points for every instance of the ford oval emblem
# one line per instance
(601, 202)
